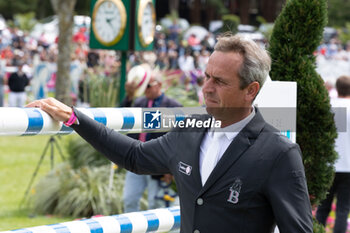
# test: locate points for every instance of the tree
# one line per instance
(9, 8)
(173, 6)
(196, 12)
(296, 35)
(338, 12)
(42, 8)
(218, 5)
(64, 9)
(269, 9)
(230, 23)
(244, 7)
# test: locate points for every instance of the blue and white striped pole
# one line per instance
(33, 121)
(157, 220)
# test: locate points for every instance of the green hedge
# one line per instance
(296, 35)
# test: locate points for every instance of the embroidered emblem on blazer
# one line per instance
(185, 168)
(235, 190)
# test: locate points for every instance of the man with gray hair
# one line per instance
(242, 177)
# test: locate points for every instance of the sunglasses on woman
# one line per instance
(152, 84)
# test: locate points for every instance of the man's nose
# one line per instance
(208, 85)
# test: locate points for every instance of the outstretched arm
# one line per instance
(145, 158)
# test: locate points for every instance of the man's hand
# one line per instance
(57, 110)
(130, 88)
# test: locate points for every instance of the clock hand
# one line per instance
(109, 19)
(110, 24)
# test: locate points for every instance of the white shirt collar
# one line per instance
(232, 130)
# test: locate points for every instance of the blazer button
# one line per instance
(196, 231)
(200, 201)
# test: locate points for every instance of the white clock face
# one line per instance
(146, 22)
(109, 20)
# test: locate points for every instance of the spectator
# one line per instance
(80, 36)
(341, 183)
(199, 87)
(174, 31)
(203, 59)
(151, 85)
(162, 61)
(172, 54)
(2, 76)
(193, 40)
(17, 83)
(208, 42)
(92, 58)
(186, 63)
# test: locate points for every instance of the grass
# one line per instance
(18, 159)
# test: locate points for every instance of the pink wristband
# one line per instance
(71, 120)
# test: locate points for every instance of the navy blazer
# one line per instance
(142, 102)
(258, 182)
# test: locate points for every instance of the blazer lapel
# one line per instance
(236, 149)
(197, 138)
(194, 141)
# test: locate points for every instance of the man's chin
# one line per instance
(219, 112)
(214, 110)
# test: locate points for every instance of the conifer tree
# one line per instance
(296, 35)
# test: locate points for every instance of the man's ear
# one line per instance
(252, 90)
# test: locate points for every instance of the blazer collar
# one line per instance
(236, 149)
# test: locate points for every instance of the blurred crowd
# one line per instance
(333, 61)
(334, 50)
(180, 57)
(185, 57)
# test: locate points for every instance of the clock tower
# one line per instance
(122, 25)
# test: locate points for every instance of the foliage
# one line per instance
(230, 23)
(101, 91)
(186, 98)
(338, 12)
(317, 227)
(82, 7)
(174, 15)
(344, 35)
(81, 192)
(296, 35)
(10, 8)
(81, 188)
(265, 28)
(42, 8)
(218, 6)
(24, 22)
(80, 154)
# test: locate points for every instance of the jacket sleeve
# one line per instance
(126, 103)
(150, 157)
(287, 192)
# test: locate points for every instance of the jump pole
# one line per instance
(33, 121)
(157, 220)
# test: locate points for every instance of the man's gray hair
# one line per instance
(256, 61)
